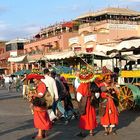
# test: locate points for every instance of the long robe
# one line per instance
(111, 113)
(88, 120)
(41, 117)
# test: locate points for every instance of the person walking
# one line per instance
(7, 80)
(68, 106)
(58, 105)
(25, 86)
(41, 118)
(52, 88)
(87, 111)
(50, 84)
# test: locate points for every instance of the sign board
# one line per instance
(89, 38)
(122, 26)
(74, 40)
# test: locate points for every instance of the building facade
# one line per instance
(47, 41)
(14, 49)
(3, 58)
(106, 27)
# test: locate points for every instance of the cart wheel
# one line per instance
(126, 100)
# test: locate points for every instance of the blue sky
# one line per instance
(24, 18)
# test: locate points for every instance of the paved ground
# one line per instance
(16, 123)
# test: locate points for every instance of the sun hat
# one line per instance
(34, 76)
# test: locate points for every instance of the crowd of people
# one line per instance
(11, 82)
(44, 114)
(92, 94)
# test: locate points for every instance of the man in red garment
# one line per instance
(41, 119)
(109, 118)
(88, 118)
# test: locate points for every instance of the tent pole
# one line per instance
(93, 62)
(120, 65)
(101, 62)
(112, 64)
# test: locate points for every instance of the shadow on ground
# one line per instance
(60, 131)
(125, 120)
(26, 125)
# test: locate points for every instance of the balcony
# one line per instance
(52, 34)
(110, 22)
(35, 52)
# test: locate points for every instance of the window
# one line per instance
(12, 46)
(20, 46)
(8, 47)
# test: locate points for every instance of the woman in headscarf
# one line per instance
(87, 111)
(41, 119)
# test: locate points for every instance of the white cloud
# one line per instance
(8, 32)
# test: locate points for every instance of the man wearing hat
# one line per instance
(109, 118)
(88, 115)
(41, 118)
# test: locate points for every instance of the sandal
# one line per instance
(44, 136)
(106, 133)
(113, 133)
(37, 137)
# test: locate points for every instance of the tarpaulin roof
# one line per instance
(125, 46)
(103, 48)
(25, 58)
(132, 57)
(128, 44)
(60, 55)
(62, 69)
(34, 58)
(22, 72)
(17, 59)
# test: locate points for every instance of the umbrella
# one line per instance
(63, 69)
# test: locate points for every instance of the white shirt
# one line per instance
(76, 82)
(78, 96)
(51, 84)
(7, 79)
